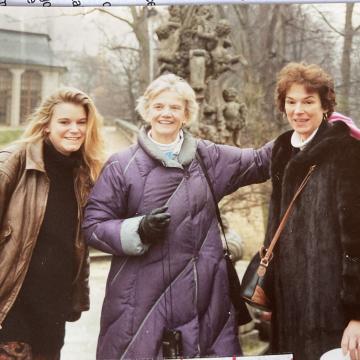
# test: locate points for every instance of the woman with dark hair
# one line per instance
(45, 179)
(317, 259)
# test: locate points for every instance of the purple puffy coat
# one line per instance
(139, 301)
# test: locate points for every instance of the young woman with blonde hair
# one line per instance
(45, 179)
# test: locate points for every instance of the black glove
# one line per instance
(152, 226)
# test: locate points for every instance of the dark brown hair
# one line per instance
(313, 77)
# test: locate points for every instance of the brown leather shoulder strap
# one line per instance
(268, 253)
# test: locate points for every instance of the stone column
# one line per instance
(15, 96)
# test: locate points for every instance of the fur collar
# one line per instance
(329, 137)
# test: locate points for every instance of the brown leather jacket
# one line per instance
(24, 188)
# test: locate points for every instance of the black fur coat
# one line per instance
(317, 259)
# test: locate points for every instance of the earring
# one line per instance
(325, 117)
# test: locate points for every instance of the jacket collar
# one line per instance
(34, 156)
(186, 155)
(328, 137)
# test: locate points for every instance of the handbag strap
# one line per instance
(265, 259)
(202, 165)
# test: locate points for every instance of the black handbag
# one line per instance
(257, 282)
(242, 313)
(256, 289)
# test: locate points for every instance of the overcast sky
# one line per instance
(72, 32)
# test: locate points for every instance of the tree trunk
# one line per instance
(346, 59)
(140, 26)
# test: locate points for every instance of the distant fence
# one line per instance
(130, 130)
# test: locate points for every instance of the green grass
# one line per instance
(9, 135)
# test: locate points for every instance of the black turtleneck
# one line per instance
(47, 286)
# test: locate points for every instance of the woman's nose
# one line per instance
(298, 107)
(74, 127)
(167, 111)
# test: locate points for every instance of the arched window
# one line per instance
(5, 96)
(30, 93)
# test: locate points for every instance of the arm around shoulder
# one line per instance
(234, 167)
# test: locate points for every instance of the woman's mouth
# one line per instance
(301, 120)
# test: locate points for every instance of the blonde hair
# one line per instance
(92, 150)
(174, 83)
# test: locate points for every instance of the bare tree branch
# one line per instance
(356, 29)
(83, 13)
(116, 16)
(327, 21)
(122, 47)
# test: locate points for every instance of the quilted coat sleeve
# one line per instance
(233, 167)
(105, 224)
(348, 200)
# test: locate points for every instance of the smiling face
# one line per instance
(67, 127)
(303, 110)
(166, 114)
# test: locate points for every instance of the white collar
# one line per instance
(296, 141)
(172, 149)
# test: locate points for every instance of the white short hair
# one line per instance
(170, 82)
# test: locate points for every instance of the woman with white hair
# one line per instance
(167, 291)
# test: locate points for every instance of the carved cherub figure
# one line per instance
(222, 59)
(234, 113)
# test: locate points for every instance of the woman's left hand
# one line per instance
(350, 342)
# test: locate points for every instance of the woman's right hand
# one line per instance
(153, 225)
(350, 342)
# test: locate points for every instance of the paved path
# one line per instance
(114, 140)
(81, 336)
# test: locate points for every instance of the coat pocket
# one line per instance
(5, 233)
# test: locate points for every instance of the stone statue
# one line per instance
(234, 114)
(175, 13)
(195, 45)
(203, 27)
(169, 39)
(198, 71)
(222, 58)
(208, 127)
